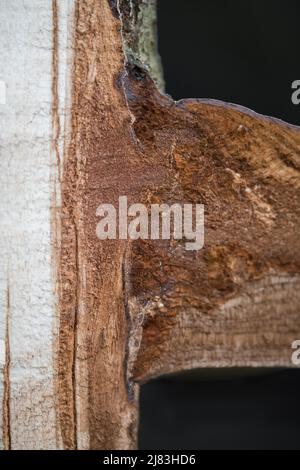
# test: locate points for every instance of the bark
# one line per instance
(84, 322)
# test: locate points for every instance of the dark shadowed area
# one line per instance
(245, 53)
(246, 412)
(241, 52)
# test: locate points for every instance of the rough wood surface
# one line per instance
(147, 308)
(33, 50)
(129, 311)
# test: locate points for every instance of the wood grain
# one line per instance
(134, 310)
(84, 322)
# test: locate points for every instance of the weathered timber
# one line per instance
(84, 322)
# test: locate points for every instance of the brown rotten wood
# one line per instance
(130, 311)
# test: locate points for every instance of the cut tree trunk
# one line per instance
(83, 321)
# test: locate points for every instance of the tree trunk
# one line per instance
(83, 321)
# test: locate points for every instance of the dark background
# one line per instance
(241, 51)
(225, 411)
(244, 52)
